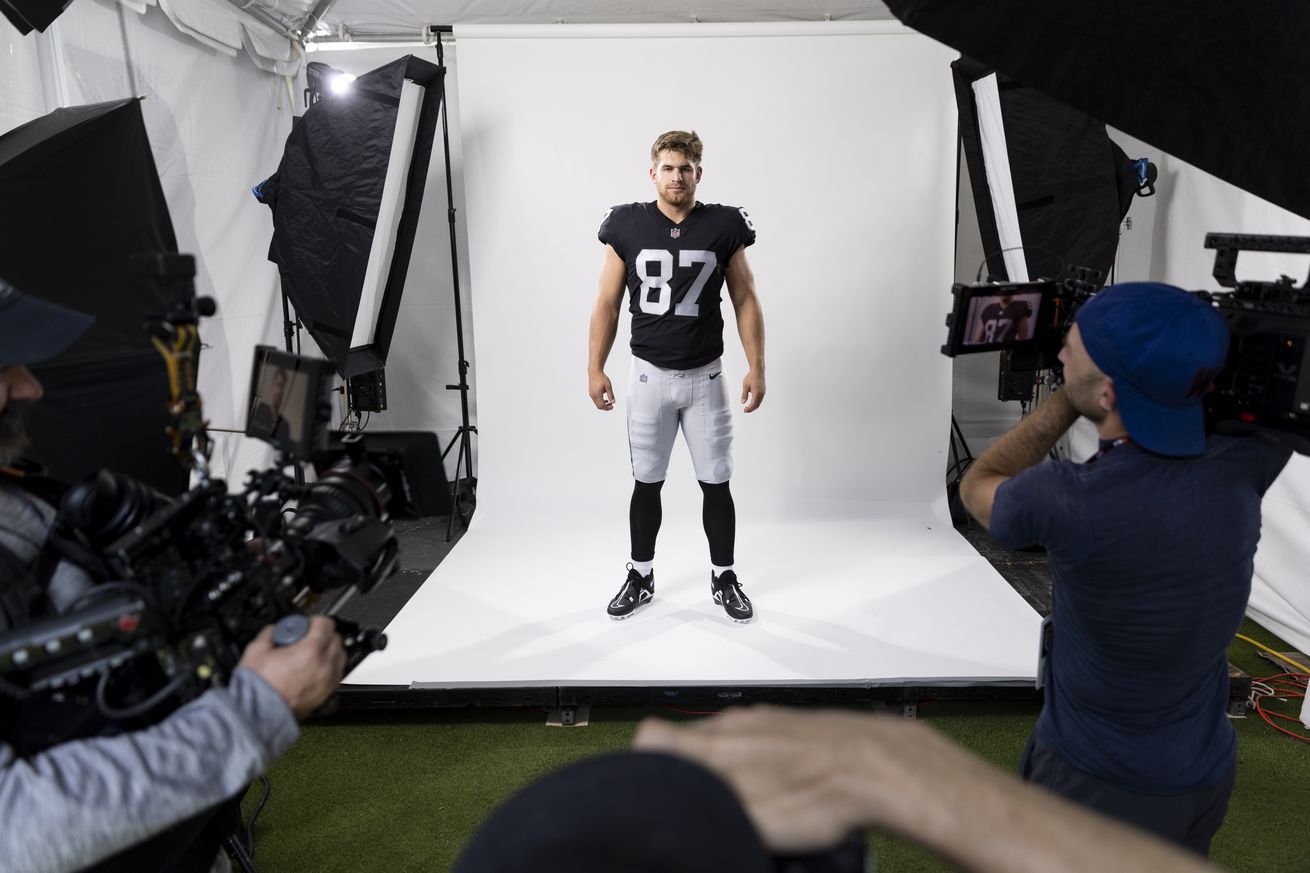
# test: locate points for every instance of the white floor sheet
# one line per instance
(839, 475)
(864, 601)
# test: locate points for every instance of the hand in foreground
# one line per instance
(792, 770)
(601, 391)
(752, 391)
(806, 778)
(305, 673)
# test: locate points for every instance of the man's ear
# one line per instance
(1107, 399)
(698, 169)
(652, 172)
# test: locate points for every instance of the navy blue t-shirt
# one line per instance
(1152, 560)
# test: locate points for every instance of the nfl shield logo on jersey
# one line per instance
(675, 232)
(643, 379)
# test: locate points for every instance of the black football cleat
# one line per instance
(728, 594)
(636, 592)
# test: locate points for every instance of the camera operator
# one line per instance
(1151, 544)
(158, 798)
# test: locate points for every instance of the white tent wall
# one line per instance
(424, 356)
(21, 98)
(216, 126)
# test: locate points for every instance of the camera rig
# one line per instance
(182, 585)
(1261, 386)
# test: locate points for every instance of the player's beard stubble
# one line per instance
(677, 196)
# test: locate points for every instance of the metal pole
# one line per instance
(466, 447)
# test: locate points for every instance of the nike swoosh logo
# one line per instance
(714, 376)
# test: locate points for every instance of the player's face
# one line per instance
(675, 178)
(1006, 298)
(278, 390)
(19, 389)
(1083, 380)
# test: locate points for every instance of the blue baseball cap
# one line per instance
(32, 329)
(1163, 348)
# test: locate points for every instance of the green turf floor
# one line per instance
(403, 792)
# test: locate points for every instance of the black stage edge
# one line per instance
(361, 697)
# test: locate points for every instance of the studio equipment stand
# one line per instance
(463, 436)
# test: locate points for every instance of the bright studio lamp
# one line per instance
(346, 201)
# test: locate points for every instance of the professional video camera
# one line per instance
(184, 584)
(1260, 386)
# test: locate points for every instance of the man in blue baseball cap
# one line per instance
(153, 799)
(1151, 544)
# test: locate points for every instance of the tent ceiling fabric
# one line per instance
(252, 26)
(397, 16)
(223, 26)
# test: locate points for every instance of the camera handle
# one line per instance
(290, 629)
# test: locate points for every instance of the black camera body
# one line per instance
(1261, 387)
(183, 585)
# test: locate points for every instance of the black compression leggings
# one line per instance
(644, 517)
(719, 515)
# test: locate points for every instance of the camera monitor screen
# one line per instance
(288, 402)
(1001, 316)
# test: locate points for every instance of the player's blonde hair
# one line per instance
(688, 143)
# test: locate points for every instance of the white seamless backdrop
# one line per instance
(840, 143)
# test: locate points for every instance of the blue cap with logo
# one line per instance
(32, 329)
(1163, 348)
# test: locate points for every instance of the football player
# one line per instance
(1004, 321)
(673, 256)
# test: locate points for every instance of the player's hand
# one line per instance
(304, 673)
(602, 392)
(752, 391)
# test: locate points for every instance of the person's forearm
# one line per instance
(604, 327)
(750, 325)
(988, 821)
(83, 801)
(1028, 442)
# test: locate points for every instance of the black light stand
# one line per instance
(291, 328)
(462, 436)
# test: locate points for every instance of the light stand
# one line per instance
(462, 436)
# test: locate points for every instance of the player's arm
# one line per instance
(1026, 444)
(982, 332)
(750, 324)
(604, 326)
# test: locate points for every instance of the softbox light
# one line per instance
(1049, 184)
(81, 198)
(346, 200)
(1212, 82)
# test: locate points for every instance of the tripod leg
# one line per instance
(238, 851)
(454, 496)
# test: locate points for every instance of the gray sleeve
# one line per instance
(83, 801)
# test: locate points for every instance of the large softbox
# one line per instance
(1049, 184)
(81, 197)
(346, 200)
(1212, 82)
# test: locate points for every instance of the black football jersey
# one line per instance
(675, 277)
(999, 322)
